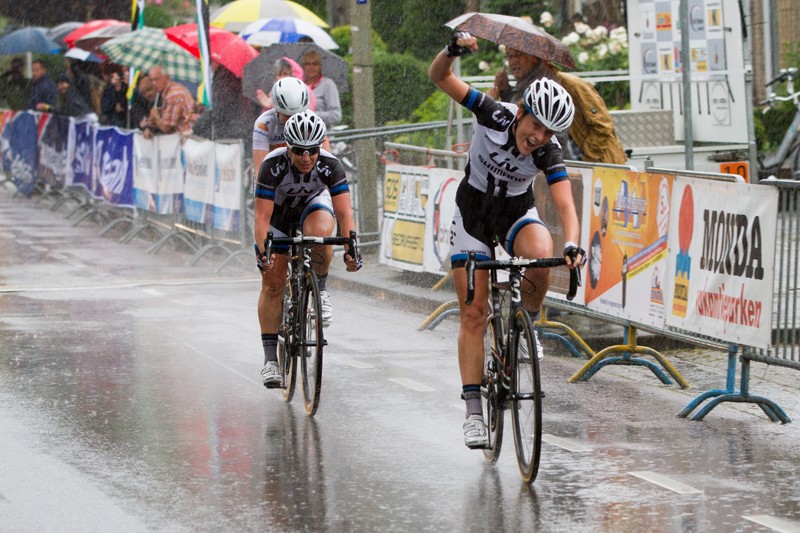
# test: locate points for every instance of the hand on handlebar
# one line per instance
(574, 255)
(262, 261)
(352, 258)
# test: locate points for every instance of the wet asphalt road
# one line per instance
(130, 401)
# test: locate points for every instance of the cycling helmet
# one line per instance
(304, 130)
(550, 103)
(290, 96)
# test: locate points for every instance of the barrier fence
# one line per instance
(688, 255)
(190, 192)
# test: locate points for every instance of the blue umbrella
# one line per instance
(267, 31)
(33, 39)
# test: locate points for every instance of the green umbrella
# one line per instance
(148, 47)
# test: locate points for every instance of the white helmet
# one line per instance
(290, 96)
(550, 103)
(304, 130)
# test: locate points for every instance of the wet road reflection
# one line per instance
(136, 378)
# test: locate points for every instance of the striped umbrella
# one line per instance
(148, 47)
(269, 31)
(238, 14)
(92, 40)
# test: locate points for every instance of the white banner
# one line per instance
(145, 172)
(418, 208)
(721, 260)
(229, 181)
(198, 194)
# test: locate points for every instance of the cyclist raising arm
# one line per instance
(297, 184)
(510, 145)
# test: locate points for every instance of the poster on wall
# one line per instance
(404, 200)
(720, 267)
(628, 228)
(717, 64)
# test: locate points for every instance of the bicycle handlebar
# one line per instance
(786, 74)
(516, 263)
(350, 241)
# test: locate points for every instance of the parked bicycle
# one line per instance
(788, 153)
(300, 337)
(511, 376)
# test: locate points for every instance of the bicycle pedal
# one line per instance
(275, 385)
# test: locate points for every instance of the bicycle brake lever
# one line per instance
(574, 283)
(268, 248)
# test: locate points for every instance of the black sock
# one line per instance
(270, 343)
(472, 397)
(322, 280)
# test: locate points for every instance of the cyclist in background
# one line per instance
(511, 143)
(289, 96)
(298, 184)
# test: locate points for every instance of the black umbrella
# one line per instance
(260, 72)
(515, 33)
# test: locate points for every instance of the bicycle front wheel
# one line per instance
(491, 388)
(310, 343)
(287, 360)
(526, 396)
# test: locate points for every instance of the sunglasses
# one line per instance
(299, 150)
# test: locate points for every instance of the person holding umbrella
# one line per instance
(329, 107)
(592, 131)
(511, 144)
(43, 91)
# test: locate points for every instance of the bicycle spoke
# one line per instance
(492, 408)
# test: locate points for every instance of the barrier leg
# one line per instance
(600, 360)
(570, 340)
(770, 408)
(442, 312)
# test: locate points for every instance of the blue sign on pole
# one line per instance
(361, 2)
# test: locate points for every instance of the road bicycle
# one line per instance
(300, 336)
(788, 153)
(511, 376)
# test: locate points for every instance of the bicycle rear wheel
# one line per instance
(490, 389)
(310, 343)
(526, 396)
(287, 361)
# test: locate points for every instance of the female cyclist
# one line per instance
(511, 143)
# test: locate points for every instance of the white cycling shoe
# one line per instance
(475, 435)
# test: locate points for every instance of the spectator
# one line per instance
(231, 115)
(592, 136)
(14, 85)
(70, 102)
(43, 90)
(285, 67)
(114, 103)
(177, 105)
(143, 97)
(329, 108)
(81, 83)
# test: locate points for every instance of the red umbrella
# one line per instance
(91, 26)
(227, 49)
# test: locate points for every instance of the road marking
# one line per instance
(39, 248)
(411, 384)
(129, 285)
(223, 365)
(566, 444)
(773, 522)
(665, 482)
(153, 292)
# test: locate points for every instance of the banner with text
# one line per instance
(720, 263)
(113, 172)
(198, 193)
(228, 185)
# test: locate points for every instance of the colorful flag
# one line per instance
(205, 50)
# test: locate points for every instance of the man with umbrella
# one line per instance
(494, 202)
(177, 105)
(43, 91)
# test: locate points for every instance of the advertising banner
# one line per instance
(169, 187)
(113, 172)
(628, 225)
(198, 193)
(53, 160)
(19, 159)
(145, 172)
(82, 154)
(228, 183)
(720, 263)
(417, 212)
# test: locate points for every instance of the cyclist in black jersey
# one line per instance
(298, 184)
(511, 143)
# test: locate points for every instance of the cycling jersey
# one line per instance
(268, 132)
(493, 154)
(495, 201)
(292, 192)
